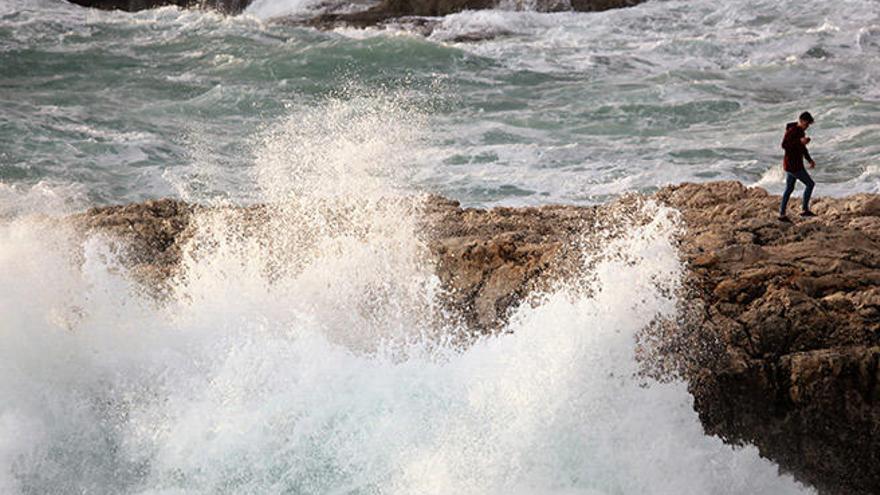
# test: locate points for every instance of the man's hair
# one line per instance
(806, 117)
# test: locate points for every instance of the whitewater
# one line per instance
(314, 357)
(568, 108)
(322, 367)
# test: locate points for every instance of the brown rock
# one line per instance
(797, 374)
(779, 334)
(600, 5)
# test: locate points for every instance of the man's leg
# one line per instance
(790, 180)
(804, 177)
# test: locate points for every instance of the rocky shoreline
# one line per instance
(779, 338)
(789, 318)
(419, 14)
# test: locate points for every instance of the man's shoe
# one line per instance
(808, 213)
(783, 218)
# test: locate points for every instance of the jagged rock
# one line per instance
(394, 9)
(225, 6)
(600, 5)
(788, 327)
(153, 231)
(779, 338)
(487, 260)
(375, 15)
(405, 10)
(416, 14)
(490, 260)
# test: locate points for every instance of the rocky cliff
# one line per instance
(787, 321)
(779, 335)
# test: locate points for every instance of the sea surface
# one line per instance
(325, 371)
(567, 107)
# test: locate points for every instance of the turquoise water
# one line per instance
(556, 108)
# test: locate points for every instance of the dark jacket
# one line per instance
(795, 150)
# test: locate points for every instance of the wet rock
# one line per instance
(779, 335)
(418, 16)
(225, 6)
(788, 329)
(374, 15)
(487, 260)
(601, 5)
(491, 260)
(388, 11)
(153, 233)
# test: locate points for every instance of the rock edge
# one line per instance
(779, 338)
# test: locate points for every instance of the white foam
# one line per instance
(44, 198)
(267, 9)
(772, 179)
(307, 359)
(241, 384)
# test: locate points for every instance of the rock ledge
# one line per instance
(779, 338)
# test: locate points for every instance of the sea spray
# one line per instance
(223, 393)
(332, 182)
(300, 350)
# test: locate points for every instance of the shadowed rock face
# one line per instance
(487, 260)
(153, 233)
(225, 6)
(600, 5)
(390, 10)
(379, 13)
(780, 335)
(789, 319)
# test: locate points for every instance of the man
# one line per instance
(795, 145)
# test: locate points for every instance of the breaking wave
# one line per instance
(307, 355)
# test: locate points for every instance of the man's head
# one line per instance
(805, 120)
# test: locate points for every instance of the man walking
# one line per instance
(795, 145)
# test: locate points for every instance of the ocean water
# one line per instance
(323, 367)
(573, 108)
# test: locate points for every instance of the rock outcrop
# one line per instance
(779, 338)
(490, 260)
(418, 12)
(487, 260)
(415, 13)
(152, 234)
(786, 318)
(225, 6)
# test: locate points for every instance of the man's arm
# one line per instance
(808, 157)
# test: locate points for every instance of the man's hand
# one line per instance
(805, 140)
(812, 162)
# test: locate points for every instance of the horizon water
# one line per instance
(323, 367)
